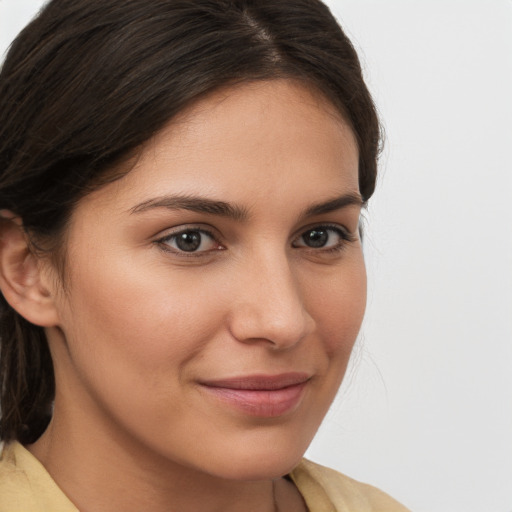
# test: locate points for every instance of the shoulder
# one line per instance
(14, 485)
(325, 489)
(25, 486)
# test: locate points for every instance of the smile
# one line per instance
(261, 395)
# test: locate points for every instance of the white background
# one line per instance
(426, 409)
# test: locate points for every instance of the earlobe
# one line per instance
(22, 280)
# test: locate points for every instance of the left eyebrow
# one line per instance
(332, 205)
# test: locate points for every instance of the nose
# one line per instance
(269, 306)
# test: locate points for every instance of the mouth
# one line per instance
(265, 396)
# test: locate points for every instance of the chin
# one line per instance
(261, 459)
(259, 468)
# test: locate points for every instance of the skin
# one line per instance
(140, 325)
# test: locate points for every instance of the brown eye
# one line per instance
(322, 237)
(190, 241)
(316, 238)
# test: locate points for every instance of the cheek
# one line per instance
(135, 320)
(338, 307)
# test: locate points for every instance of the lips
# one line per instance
(260, 395)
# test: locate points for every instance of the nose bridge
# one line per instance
(270, 303)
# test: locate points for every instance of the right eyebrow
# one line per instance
(195, 204)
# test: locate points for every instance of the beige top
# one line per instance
(25, 486)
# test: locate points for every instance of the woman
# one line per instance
(181, 265)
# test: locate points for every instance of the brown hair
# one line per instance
(88, 81)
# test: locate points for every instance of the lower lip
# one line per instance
(261, 403)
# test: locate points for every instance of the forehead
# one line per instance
(250, 142)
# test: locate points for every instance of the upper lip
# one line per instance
(260, 381)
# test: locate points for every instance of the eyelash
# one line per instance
(165, 240)
(345, 237)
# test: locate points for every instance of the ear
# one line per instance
(24, 277)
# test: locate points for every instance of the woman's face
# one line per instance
(215, 292)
